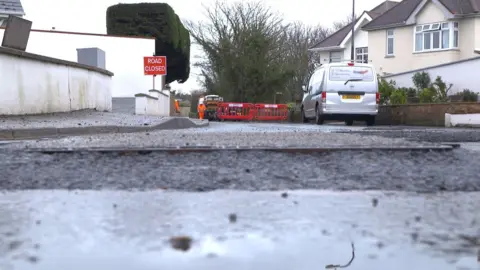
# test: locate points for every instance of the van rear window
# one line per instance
(348, 73)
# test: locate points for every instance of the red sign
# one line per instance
(155, 65)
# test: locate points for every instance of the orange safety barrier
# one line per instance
(235, 111)
(271, 112)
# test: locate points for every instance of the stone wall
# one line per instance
(422, 114)
(414, 114)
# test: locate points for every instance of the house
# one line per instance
(337, 46)
(417, 34)
(10, 7)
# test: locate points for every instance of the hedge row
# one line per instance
(156, 20)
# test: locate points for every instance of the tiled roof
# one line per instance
(13, 7)
(336, 38)
(400, 13)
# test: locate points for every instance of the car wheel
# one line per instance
(349, 122)
(370, 121)
(304, 119)
(318, 117)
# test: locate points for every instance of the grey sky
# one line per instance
(89, 15)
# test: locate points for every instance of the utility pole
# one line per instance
(352, 53)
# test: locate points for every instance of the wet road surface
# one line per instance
(117, 211)
(302, 230)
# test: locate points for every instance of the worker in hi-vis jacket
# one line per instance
(201, 108)
(177, 106)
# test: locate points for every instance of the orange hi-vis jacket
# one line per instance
(201, 107)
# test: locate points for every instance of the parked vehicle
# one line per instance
(345, 91)
(211, 102)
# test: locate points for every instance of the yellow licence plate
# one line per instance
(350, 97)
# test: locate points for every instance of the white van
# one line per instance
(345, 91)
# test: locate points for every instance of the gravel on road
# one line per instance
(456, 170)
(78, 119)
(421, 134)
(227, 135)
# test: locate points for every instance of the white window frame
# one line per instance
(390, 36)
(361, 52)
(428, 30)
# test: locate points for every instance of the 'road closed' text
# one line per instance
(154, 69)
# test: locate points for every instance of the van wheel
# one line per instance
(304, 119)
(318, 117)
(349, 122)
(370, 121)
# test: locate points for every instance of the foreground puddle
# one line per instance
(238, 230)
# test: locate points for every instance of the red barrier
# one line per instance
(271, 112)
(235, 111)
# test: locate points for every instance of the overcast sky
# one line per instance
(89, 15)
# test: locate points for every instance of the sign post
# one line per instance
(155, 65)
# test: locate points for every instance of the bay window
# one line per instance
(436, 36)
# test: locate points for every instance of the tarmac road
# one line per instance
(84, 210)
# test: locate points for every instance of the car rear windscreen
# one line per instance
(344, 73)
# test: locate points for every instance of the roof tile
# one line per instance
(11, 7)
(336, 38)
(400, 13)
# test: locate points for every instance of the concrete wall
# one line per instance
(124, 55)
(406, 59)
(154, 103)
(423, 114)
(34, 84)
(463, 75)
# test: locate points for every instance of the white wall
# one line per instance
(30, 86)
(463, 75)
(361, 40)
(124, 56)
(155, 103)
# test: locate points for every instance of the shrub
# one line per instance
(466, 96)
(421, 80)
(156, 20)
(409, 91)
(441, 89)
(385, 88)
(292, 106)
(427, 95)
(398, 96)
(469, 96)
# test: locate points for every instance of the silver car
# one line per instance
(345, 91)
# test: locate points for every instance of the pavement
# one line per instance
(87, 122)
(123, 210)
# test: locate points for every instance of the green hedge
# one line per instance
(156, 20)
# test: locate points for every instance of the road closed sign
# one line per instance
(155, 65)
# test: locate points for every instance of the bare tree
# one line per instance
(250, 53)
(244, 52)
(337, 25)
(300, 38)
